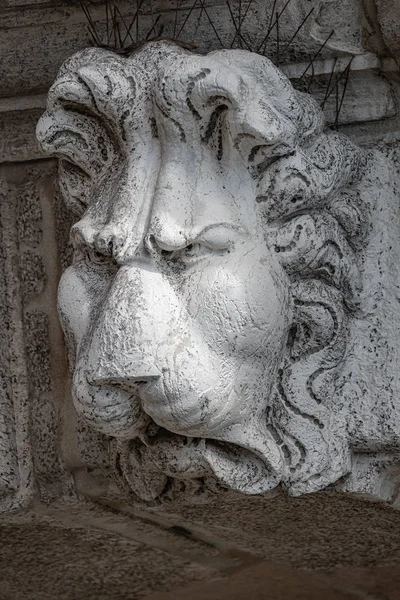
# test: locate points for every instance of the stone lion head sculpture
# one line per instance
(215, 267)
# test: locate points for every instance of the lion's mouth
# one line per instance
(148, 462)
(155, 434)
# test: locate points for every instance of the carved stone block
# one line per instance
(231, 309)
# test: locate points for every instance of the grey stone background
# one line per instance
(45, 452)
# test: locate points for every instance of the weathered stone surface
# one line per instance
(269, 581)
(8, 462)
(325, 531)
(357, 106)
(17, 136)
(33, 274)
(259, 354)
(30, 357)
(16, 452)
(38, 350)
(68, 559)
(388, 18)
(265, 581)
(29, 218)
(371, 582)
(60, 30)
(347, 546)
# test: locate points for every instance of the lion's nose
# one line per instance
(135, 374)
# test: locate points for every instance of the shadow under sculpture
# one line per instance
(217, 275)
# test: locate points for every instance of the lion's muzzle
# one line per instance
(141, 358)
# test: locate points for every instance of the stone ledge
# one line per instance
(266, 581)
(327, 546)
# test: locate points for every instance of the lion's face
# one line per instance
(179, 307)
(191, 337)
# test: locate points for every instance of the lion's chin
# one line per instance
(171, 455)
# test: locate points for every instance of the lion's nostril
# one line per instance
(132, 371)
(151, 240)
(124, 381)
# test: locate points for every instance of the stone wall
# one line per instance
(42, 442)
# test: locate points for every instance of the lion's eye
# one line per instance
(192, 252)
(93, 257)
(215, 245)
